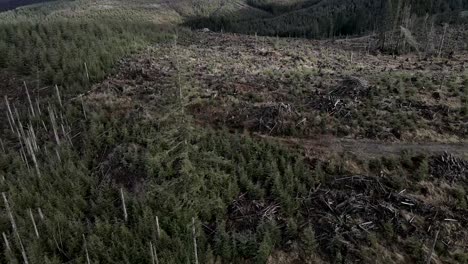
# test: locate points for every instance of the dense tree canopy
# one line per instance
(71, 52)
(83, 182)
(312, 18)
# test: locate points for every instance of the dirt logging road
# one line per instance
(367, 148)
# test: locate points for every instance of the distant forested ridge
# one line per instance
(315, 18)
(12, 4)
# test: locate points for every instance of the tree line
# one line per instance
(71, 52)
(324, 19)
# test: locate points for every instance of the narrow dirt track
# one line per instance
(366, 148)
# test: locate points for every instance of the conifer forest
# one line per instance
(234, 131)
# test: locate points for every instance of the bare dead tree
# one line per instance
(33, 222)
(53, 121)
(30, 149)
(405, 22)
(153, 259)
(194, 234)
(154, 254)
(86, 71)
(396, 19)
(2, 146)
(409, 38)
(83, 107)
(124, 207)
(442, 40)
(179, 78)
(9, 212)
(32, 135)
(158, 230)
(33, 114)
(430, 37)
(38, 107)
(425, 28)
(15, 228)
(10, 115)
(24, 158)
(10, 122)
(41, 215)
(57, 153)
(429, 256)
(85, 245)
(5, 240)
(58, 95)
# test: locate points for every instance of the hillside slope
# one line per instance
(128, 138)
(329, 18)
(12, 4)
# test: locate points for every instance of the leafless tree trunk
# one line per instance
(85, 245)
(33, 222)
(83, 107)
(429, 256)
(38, 107)
(10, 115)
(406, 18)
(442, 41)
(154, 254)
(2, 146)
(41, 215)
(57, 153)
(153, 259)
(30, 149)
(10, 214)
(158, 230)
(86, 71)
(124, 207)
(194, 234)
(5, 240)
(15, 229)
(430, 38)
(54, 124)
(58, 95)
(33, 114)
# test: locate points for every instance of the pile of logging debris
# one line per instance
(449, 167)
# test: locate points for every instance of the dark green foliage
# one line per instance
(199, 178)
(415, 248)
(459, 193)
(308, 241)
(389, 231)
(319, 19)
(461, 258)
(55, 51)
(422, 171)
(276, 7)
(165, 168)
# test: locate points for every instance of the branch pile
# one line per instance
(447, 166)
(342, 99)
(266, 117)
(245, 213)
(345, 210)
